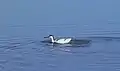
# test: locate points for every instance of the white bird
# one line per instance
(59, 41)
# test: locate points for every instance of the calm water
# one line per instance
(24, 23)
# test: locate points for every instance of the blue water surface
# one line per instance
(24, 23)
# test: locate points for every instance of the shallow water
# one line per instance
(29, 53)
(23, 24)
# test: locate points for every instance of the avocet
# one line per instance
(59, 40)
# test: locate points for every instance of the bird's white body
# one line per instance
(63, 41)
(60, 41)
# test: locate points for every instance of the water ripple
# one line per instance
(23, 54)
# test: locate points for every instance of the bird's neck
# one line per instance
(52, 39)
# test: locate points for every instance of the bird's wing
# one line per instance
(63, 40)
